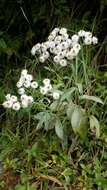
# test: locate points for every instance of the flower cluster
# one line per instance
(24, 100)
(12, 102)
(61, 46)
(25, 81)
(48, 89)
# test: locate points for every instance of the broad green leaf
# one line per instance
(70, 110)
(79, 122)
(54, 105)
(93, 98)
(67, 94)
(94, 125)
(59, 129)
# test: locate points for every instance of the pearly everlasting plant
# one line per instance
(64, 97)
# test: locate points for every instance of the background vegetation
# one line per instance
(37, 159)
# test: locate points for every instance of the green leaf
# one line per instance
(67, 94)
(94, 125)
(79, 122)
(93, 98)
(59, 129)
(80, 88)
(3, 44)
(54, 105)
(70, 110)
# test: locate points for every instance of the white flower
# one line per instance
(69, 41)
(29, 77)
(88, 41)
(64, 45)
(69, 55)
(33, 50)
(34, 84)
(24, 104)
(81, 33)
(75, 38)
(57, 49)
(42, 59)
(49, 87)
(63, 62)
(37, 46)
(43, 90)
(56, 59)
(8, 96)
(61, 54)
(77, 46)
(21, 91)
(16, 106)
(43, 47)
(63, 31)
(58, 39)
(24, 97)
(51, 44)
(7, 104)
(56, 95)
(94, 40)
(24, 72)
(27, 84)
(30, 100)
(75, 50)
(13, 98)
(19, 84)
(88, 35)
(46, 81)
(65, 37)
(52, 36)
(56, 30)
(46, 54)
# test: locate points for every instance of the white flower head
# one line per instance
(49, 87)
(88, 41)
(7, 104)
(24, 72)
(81, 33)
(24, 104)
(94, 40)
(16, 106)
(56, 59)
(63, 31)
(30, 99)
(19, 84)
(21, 91)
(69, 55)
(51, 44)
(88, 35)
(8, 96)
(46, 55)
(75, 38)
(43, 90)
(13, 98)
(63, 62)
(42, 59)
(64, 45)
(24, 97)
(56, 95)
(46, 81)
(27, 84)
(33, 50)
(29, 77)
(34, 85)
